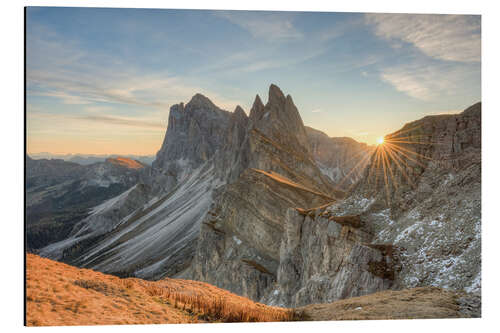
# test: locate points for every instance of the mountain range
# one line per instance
(272, 210)
(86, 159)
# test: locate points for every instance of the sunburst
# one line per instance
(394, 161)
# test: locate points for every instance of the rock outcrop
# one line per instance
(325, 258)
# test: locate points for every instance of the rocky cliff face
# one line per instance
(412, 220)
(342, 159)
(151, 230)
(433, 199)
(196, 131)
(239, 241)
(418, 205)
(324, 258)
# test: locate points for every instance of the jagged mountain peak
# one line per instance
(239, 112)
(280, 120)
(275, 94)
(473, 109)
(257, 109)
(199, 101)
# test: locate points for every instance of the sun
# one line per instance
(380, 141)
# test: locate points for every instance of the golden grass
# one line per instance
(59, 294)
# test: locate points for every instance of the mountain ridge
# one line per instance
(224, 202)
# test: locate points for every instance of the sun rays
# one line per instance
(396, 161)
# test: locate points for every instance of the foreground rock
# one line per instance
(412, 220)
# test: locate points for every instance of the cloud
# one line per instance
(64, 70)
(47, 122)
(427, 81)
(445, 37)
(264, 25)
(316, 111)
(112, 120)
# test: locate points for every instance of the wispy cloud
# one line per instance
(317, 111)
(64, 70)
(445, 37)
(427, 81)
(112, 120)
(264, 25)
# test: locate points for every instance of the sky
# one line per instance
(101, 81)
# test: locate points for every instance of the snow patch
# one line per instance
(237, 240)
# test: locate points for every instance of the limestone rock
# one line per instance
(238, 249)
(428, 202)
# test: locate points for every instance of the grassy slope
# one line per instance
(59, 294)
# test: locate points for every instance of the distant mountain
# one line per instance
(86, 159)
(342, 159)
(125, 162)
(60, 193)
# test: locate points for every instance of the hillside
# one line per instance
(59, 294)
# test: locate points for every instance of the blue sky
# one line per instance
(102, 80)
